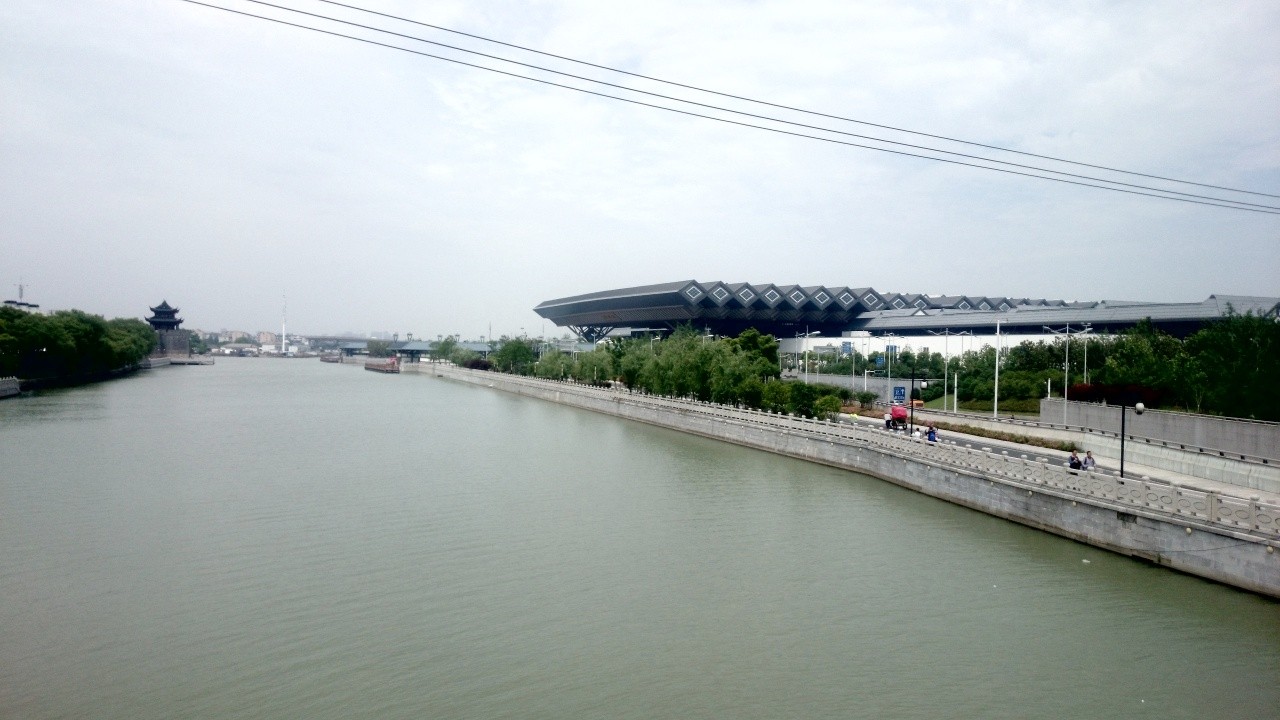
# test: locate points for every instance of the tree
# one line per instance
(595, 367)
(826, 407)
(775, 396)
(514, 355)
(554, 366)
(70, 344)
(1232, 366)
(444, 347)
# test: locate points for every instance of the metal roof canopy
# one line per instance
(784, 310)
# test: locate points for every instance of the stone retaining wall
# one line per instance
(1224, 538)
(9, 387)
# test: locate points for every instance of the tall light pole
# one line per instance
(889, 364)
(995, 401)
(911, 397)
(1086, 331)
(1066, 362)
(1138, 408)
(806, 337)
(946, 362)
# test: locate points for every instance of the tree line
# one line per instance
(740, 371)
(1229, 367)
(70, 344)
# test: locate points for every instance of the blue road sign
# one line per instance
(899, 393)
(879, 361)
(846, 347)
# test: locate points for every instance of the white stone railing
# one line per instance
(1170, 500)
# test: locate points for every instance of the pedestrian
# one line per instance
(1073, 462)
(888, 421)
(1088, 463)
(933, 434)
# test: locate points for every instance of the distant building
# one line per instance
(20, 303)
(172, 339)
(268, 338)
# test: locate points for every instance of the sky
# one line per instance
(246, 171)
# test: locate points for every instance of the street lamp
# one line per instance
(806, 335)
(889, 360)
(946, 361)
(1138, 408)
(911, 397)
(1066, 361)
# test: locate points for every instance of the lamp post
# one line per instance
(946, 362)
(1138, 408)
(1066, 361)
(1086, 331)
(806, 335)
(995, 400)
(911, 397)
(888, 351)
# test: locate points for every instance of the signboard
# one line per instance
(879, 361)
(899, 393)
(846, 348)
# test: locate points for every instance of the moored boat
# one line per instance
(390, 365)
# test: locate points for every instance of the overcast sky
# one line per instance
(162, 150)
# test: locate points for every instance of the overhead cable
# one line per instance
(926, 148)
(789, 107)
(1210, 201)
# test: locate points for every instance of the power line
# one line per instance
(1213, 202)
(791, 108)
(753, 115)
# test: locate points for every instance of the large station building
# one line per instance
(788, 310)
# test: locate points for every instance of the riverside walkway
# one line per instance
(1108, 467)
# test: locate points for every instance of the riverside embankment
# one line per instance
(1216, 535)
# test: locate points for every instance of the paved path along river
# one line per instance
(276, 538)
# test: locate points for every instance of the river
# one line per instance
(269, 538)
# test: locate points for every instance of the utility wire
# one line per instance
(1273, 211)
(754, 115)
(791, 108)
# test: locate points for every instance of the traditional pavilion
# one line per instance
(172, 340)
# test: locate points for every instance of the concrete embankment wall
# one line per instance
(1228, 539)
(9, 387)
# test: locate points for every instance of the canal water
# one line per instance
(289, 539)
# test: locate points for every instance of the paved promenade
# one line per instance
(1108, 465)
